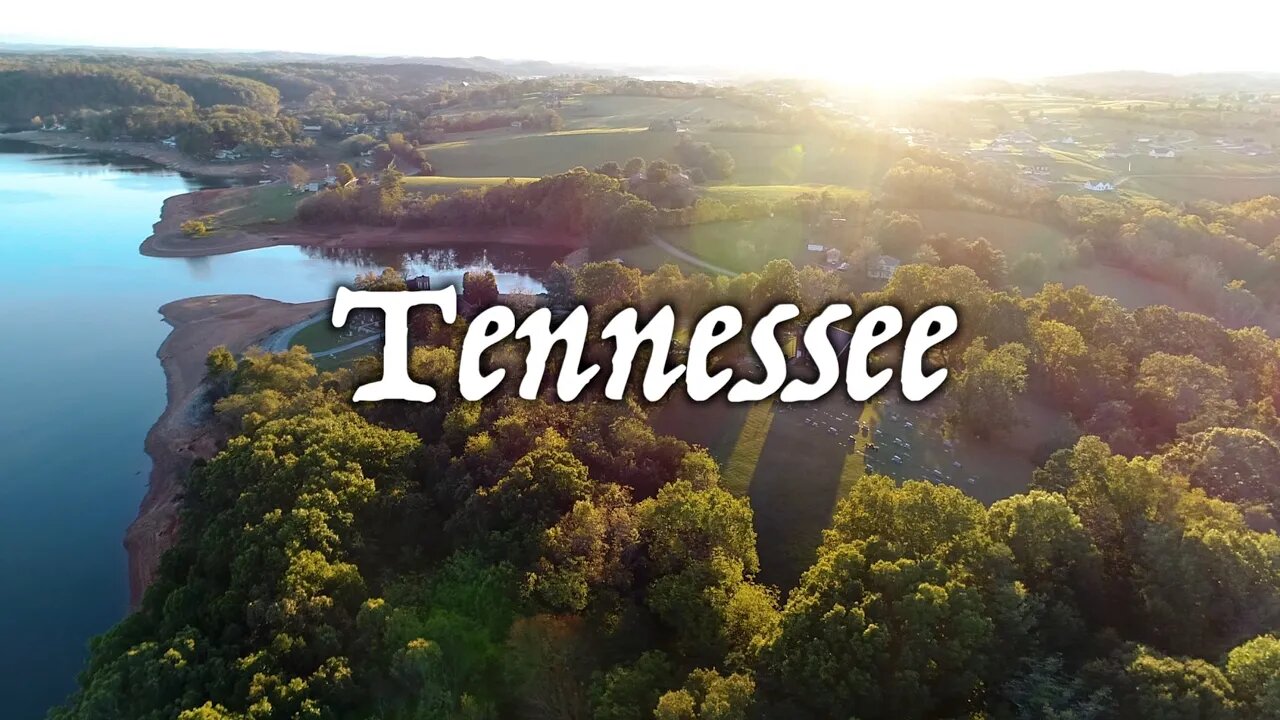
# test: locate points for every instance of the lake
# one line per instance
(80, 384)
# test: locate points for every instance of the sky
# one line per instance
(857, 42)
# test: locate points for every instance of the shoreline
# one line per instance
(183, 434)
(149, 151)
(168, 241)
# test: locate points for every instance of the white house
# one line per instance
(1099, 186)
(311, 128)
(883, 267)
(1162, 152)
(813, 247)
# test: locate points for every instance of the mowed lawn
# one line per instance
(272, 203)
(794, 462)
(321, 336)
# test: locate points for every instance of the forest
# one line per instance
(535, 559)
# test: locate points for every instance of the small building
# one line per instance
(421, 282)
(171, 142)
(883, 267)
(310, 128)
(1162, 152)
(833, 256)
(1100, 186)
(814, 247)
(312, 187)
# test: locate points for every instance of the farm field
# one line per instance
(444, 185)
(760, 158)
(587, 111)
(1186, 188)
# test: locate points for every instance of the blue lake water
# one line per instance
(80, 385)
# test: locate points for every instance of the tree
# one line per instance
(779, 283)
(345, 174)
(220, 362)
(559, 284)
(984, 395)
(480, 288)
(1028, 272)
(297, 175)
(872, 634)
(900, 234)
(1254, 672)
(1177, 388)
(1234, 464)
(708, 695)
(1146, 684)
(194, 228)
(631, 691)
(634, 166)
(389, 280)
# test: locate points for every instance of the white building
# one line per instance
(883, 267)
(1099, 186)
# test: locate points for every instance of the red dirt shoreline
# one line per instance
(183, 433)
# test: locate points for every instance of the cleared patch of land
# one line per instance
(445, 185)
(586, 111)
(1014, 236)
(760, 158)
(743, 246)
(795, 462)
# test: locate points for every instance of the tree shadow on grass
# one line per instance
(797, 483)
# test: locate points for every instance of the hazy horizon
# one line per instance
(856, 45)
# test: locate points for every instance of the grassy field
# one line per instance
(586, 111)
(322, 335)
(516, 155)
(347, 358)
(794, 462)
(730, 194)
(743, 246)
(651, 257)
(1015, 236)
(1131, 290)
(444, 185)
(760, 158)
(1223, 189)
(262, 204)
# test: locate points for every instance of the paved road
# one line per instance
(282, 340)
